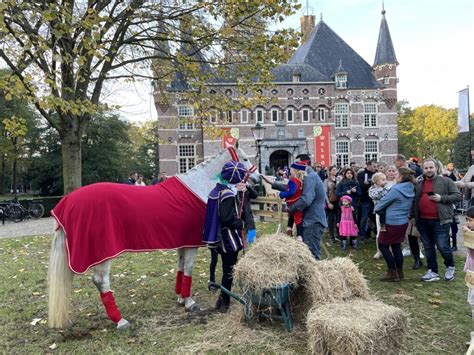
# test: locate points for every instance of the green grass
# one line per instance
(143, 285)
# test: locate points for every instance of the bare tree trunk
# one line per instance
(14, 168)
(72, 168)
(2, 174)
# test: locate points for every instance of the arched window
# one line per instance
(244, 115)
(275, 114)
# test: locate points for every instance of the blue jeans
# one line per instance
(312, 235)
(365, 209)
(435, 234)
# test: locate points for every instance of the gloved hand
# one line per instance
(251, 235)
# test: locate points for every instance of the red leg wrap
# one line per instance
(179, 282)
(110, 307)
(186, 289)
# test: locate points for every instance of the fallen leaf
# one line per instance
(435, 301)
(35, 320)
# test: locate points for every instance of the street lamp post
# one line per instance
(258, 134)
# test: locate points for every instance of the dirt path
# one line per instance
(25, 228)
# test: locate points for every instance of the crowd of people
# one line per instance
(138, 179)
(403, 203)
(398, 204)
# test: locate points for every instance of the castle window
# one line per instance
(341, 81)
(228, 116)
(244, 116)
(185, 116)
(371, 150)
(305, 115)
(370, 114)
(341, 115)
(321, 114)
(214, 116)
(259, 116)
(342, 153)
(290, 115)
(386, 80)
(186, 157)
(275, 115)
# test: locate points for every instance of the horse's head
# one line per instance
(203, 177)
(254, 174)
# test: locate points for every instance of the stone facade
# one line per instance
(363, 120)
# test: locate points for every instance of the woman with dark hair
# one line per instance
(397, 204)
(332, 208)
(349, 186)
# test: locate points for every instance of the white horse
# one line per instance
(98, 222)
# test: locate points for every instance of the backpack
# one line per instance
(332, 193)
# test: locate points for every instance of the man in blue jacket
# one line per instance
(312, 202)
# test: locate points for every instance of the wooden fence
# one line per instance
(269, 207)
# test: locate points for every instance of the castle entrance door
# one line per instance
(279, 159)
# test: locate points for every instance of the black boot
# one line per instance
(218, 303)
(415, 251)
(454, 242)
(417, 265)
(225, 304)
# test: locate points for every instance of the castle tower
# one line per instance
(385, 63)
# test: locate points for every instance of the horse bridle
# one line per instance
(235, 157)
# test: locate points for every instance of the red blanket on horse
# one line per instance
(104, 220)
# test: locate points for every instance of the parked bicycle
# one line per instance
(15, 211)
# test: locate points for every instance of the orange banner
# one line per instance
(230, 137)
(322, 145)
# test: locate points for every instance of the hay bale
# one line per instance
(357, 327)
(337, 279)
(274, 260)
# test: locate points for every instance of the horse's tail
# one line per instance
(60, 282)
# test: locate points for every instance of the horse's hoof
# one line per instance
(180, 301)
(123, 324)
(193, 308)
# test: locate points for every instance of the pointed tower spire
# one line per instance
(385, 53)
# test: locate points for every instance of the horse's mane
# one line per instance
(202, 178)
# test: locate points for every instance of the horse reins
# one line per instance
(235, 157)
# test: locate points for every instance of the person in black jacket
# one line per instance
(223, 225)
(132, 179)
(366, 205)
